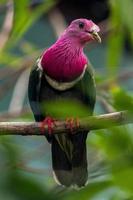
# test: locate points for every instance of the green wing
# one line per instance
(89, 88)
(34, 93)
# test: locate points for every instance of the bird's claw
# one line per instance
(71, 123)
(48, 122)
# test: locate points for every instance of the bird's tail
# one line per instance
(69, 159)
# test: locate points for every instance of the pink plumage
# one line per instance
(65, 60)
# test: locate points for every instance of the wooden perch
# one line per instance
(85, 124)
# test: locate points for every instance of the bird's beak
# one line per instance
(96, 36)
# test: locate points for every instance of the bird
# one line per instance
(63, 72)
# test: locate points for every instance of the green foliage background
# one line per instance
(111, 172)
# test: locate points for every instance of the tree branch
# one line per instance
(86, 124)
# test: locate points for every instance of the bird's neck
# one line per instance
(64, 61)
(70, 42)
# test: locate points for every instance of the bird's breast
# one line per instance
(63, 68)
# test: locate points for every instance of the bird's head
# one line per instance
(84, 30)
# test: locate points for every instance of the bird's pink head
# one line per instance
(83, 30)
(65, 59)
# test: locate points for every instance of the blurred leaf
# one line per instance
(27, 47)
(89, 191)
(15, 182)
(11, 151)
(27, 189)
(121, 22)
(3, 1)
(65, 108)
(115, 48)
(12, 60)
(116, 37)
(123, 177)
(126, 8)
(113, 142)
(9, 59)
(116, 145)
(24, 17)
(122, 100)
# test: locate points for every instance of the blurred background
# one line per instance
(27, 27)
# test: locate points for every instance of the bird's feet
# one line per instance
(48, 122)
(71, 123)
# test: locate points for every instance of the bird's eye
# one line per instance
(81, 25)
